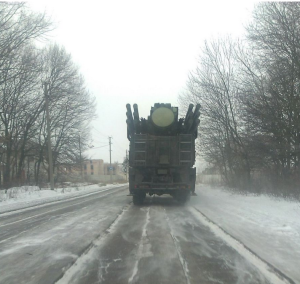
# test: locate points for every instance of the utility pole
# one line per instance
(110, 168)
(49, 136)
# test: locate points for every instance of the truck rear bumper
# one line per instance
(160, 188)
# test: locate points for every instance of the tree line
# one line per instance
(249, 90)
(25, 69)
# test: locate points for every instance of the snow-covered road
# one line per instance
(163, 242)
(38, 243)
(100, 237)
(269, 226)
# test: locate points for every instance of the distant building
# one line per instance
(97, 170)
(93, 167)
(98, 167)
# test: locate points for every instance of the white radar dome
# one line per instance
(163, 117)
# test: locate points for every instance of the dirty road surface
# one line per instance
(104, 238)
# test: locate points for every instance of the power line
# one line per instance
(100, 142)
(99, 147)
(99, 132)
(120, 146)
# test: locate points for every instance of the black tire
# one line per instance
(138, 199)
(183, 197)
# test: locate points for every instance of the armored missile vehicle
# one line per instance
(162, 152)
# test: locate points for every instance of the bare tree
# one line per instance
(273, 102)
(215, 86)
(23, 70)
(250, 97)
(18, 28)
(20, 108)
(71, 107)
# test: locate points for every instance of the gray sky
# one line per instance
(137, 52)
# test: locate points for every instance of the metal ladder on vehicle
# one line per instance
(140, 150)
(185, 149)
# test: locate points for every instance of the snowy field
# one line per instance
(269, 226)
(22, 197)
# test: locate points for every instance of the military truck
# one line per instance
(162, 152)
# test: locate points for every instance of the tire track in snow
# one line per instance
(179, 252)
(87, 254)
(143, 249)
(271, 273)
(105, 267)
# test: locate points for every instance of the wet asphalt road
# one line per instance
(103, 238)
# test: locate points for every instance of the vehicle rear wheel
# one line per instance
(138, 198)
(183, 197)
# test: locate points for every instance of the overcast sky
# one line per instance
(137, 52)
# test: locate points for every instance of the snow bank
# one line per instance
(269, 226)
(26, 196)
(23, 192)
